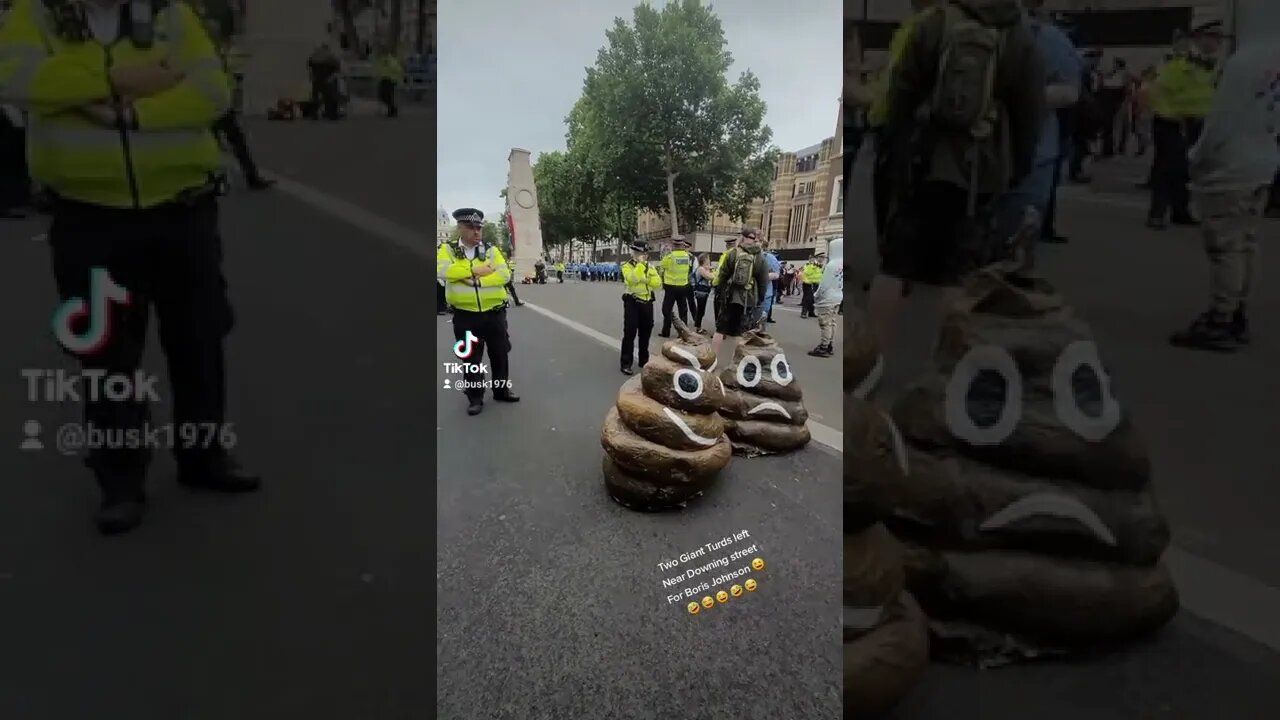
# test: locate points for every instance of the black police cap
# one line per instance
(468, 216)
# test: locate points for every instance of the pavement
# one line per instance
(1210, 431)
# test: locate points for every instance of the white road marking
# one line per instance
(1212, 591)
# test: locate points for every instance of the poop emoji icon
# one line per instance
(664, 442)
(1022, 488)
(886, 643)
(762, 409)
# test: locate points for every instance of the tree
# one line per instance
(489, 235)
(658, 114)
(571, 199)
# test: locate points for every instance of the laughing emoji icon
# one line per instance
(750, 585)
(708, 603)
(757, 564)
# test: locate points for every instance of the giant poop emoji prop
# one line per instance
(664, 441)
(886, 645)
(1024, 493)
(762, 405)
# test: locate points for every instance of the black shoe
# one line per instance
(475, 407)
(1185, 221)
(115, 517)
(1240, 326)
(770, 320)
(1207, 332)
(819, 351)
(626, 370)
(221, 475)
(506, 396)
(664, 334)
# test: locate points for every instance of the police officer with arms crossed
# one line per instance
(121, 96)
(637, 306)
(475, 279)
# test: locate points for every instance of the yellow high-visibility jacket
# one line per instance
(168, 148)
(1183, 89)
(675, 267)
(489, 292)
(387, 67)
(812, 274)
(878, 113)
(641, 279)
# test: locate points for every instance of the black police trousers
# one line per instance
(637, 327)
(1170, 170)
(169, 257)
(229, 127)
(682, 297)
(490, 331)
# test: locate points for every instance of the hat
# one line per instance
(680, 240)
(640, 246)
(1210, 28)
(819, 254)
(731, 240)
(468, 216)
(748, 230)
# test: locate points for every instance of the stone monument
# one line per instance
(278, 38)
(522, 203)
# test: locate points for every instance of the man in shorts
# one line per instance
(739, 292)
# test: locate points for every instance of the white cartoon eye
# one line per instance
(781, 370)
(984, 396)
(749, 371)
(688, 384)
(1082, 392)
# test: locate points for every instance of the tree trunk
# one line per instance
(391, 43)
(349, 25)
(671, 196)
(420, 32)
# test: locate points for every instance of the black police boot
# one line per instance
(115, 517)
(221, 473)
(1240, 326)
(1207, 332)
(626, 370)
(505, 395)
(819, 351)
(475, 405)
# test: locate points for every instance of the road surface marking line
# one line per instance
(823, 434)
(1216, 593)
(1226, 597)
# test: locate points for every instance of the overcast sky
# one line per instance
(510, 70)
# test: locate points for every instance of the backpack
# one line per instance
(964, 94)
(743, 275)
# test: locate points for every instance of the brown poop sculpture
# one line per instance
(762, 409)
(1027, 503)
(886, 645)
(664, 441)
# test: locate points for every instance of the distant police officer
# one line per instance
(676, 267)
(475, 279)
(642, 282)
(122, 96)
(810, 276)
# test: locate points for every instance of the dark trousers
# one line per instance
(806, 301)
(678, 296)
(777, 293)
(560, 276)
(490, 330)
(1049, 228)
(228, 126)
(699, 308)
(15, 182)
(1079, 153)
(1110, 101)
(511, 290)
(170, 258)
(637, 327)
(1170, 172)
(387, 96)
(442, 305)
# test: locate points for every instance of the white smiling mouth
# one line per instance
(688, 431)
(770, 407)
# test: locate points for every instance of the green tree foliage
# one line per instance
(571, 198)
(659, 117)
(490, 235)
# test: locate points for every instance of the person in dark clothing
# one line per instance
(1111, 99)
(324, 68)
(943, 180)
(1087, 122)
(15, 182)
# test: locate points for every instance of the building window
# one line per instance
(837, 197)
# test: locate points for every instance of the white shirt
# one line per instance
(470, 251)
(104, 21)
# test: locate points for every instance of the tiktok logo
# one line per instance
(103, 291)
(463, 348)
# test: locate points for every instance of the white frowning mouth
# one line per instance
(688, 431)
(1052, 505)
(769, 406)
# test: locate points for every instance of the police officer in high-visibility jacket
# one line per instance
(475, 279)
(676, 267)
(810, 276)
(642, 281)
(1180, 99)
(121, 96)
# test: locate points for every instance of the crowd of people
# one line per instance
(960, 169)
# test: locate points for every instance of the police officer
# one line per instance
(126, 152)
(810, 276)
(475, 278)
(390, 74)
(675, 268)
(1181, 98)
(637, 305)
